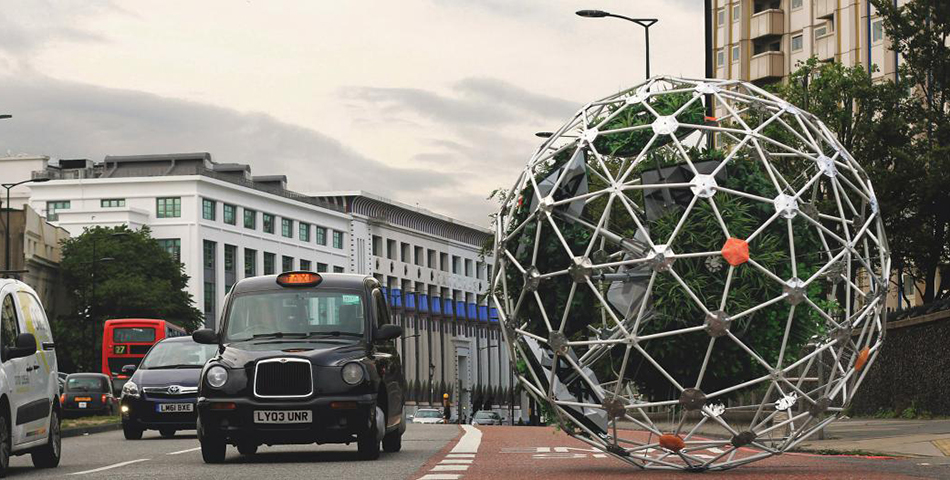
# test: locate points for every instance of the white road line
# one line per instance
(449, 468)
(460, 455)
(470, 441)
(461, 461)
(440, 476)
(184, 451)
(715, 450)
(109, 467)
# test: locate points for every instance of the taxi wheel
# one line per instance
(167, 432)
(392, 442)
(131, 433)
(368, 445)
(213, 449)
(48, 455)
(5, 446)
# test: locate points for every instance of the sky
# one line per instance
(428, 102)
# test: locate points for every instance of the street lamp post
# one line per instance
(8, 187)
(646, 23)
(431, 373)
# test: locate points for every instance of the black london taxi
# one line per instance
(302, 358)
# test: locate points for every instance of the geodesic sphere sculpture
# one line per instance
(686, 288)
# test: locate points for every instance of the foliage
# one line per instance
(132, 276)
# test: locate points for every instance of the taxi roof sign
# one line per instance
(299, 279)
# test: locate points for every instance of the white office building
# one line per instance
(224, 224)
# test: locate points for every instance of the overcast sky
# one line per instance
(429, 102)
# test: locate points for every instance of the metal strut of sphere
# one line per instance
(817, 189)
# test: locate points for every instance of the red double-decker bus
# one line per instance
(126, 340)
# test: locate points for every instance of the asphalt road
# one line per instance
(110, 455)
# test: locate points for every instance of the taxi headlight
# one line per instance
(352, 373)
(217, 376)
(130, 389)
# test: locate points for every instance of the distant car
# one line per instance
(428, 415)
(162, 393)
(87, 394)
(485, 417)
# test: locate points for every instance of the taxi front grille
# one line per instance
(283, 378)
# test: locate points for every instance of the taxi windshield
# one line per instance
(296, 314)
(429, 414)
(178, 355)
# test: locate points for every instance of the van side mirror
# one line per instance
(128, 368)
(388, 332)
(206, 336)
(25, 346)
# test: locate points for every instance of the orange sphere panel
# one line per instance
(672, 442)
(862, 359)
(735, 251)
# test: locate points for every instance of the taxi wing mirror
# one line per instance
(206, 336)
(128, 368)
(25, 346)
(388, 332)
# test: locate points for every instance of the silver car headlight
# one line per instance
(352, 373)
(130, 389)
(217, 376)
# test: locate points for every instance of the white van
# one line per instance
(29, 400)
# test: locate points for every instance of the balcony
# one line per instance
(826, 47)
(767, 23)
(825, 8)
(767, 66)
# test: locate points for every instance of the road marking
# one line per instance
(943, 445)
(109, 467)
(463, 461)
(184, 451)
(449, 468)
(460, 455)
(470, 441)
(440, 476)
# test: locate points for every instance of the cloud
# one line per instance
(27, 26)
(71, 120)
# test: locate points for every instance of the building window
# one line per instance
(455, 264)
(230, 254)
(444, 262)
(112, 202)
(209, 298)
(287, 264)
(287, 227)
(338, 270)
(909, 287)
(269, 261)
(877, 31)
(208, 209)
(735, 54)
(53, 207)
(337, 239)
(320, 235)
(268, 222)
(304, 232)
(209, 253)
(250, 219)
(720, 57)
(721, 17)
(391, 249)
(305, 265)
(419, 256)
(826, 28)
(797, 43)
(168, 207)
(796, 4)
(321, 267)
(736, 12)
(377, 246)
(172, 246)
(230, 214)
(432, 254)
(250, 262)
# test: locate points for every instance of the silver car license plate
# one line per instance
(282, 416)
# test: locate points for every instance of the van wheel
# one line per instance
(5, 446)
(392, 442)
(213, 449)
(131, 433)
(48, 455)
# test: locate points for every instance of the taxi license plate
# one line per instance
(83, 399)
(282, 416)
(175, 407)
(82, 404)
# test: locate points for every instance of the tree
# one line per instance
(919, 32)
(118, 273)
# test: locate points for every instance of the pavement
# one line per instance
(911, 438)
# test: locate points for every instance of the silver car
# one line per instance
(428, 415)
(485, 417)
